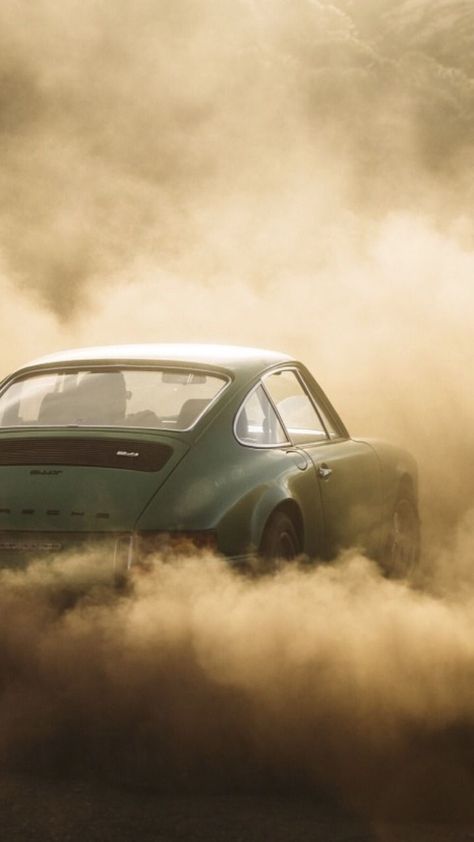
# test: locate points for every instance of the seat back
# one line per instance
(190, 411)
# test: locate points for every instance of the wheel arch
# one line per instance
(407, 487)
(290, 507)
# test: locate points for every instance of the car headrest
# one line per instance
(102, 397)
(190, 411)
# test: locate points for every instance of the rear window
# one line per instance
(152, 398)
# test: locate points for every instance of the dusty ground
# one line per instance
(52, 811)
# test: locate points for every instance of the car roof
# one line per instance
(234, 358)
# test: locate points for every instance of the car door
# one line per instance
(347, 471)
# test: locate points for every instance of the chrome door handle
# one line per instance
(324, 471)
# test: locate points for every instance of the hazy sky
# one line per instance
(225, 139)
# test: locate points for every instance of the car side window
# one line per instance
(294, 406)
(257, 423)
(333, 433)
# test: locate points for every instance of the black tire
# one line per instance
(280, 541)
(403, 543)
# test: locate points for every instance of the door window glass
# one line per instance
(333, 433)
(295, 407)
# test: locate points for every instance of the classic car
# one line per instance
(142, 447)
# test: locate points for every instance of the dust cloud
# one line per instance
(325, 680)
(296, 176)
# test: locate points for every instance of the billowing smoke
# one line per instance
(291, 175)
(329, 678)
(223, 141)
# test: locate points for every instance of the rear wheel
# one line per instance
(280, 541)
(403, 545)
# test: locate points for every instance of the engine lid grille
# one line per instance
(131, 455)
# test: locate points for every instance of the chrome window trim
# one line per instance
(327, 407)
(117, 366)
(280, 445)
(306, 390)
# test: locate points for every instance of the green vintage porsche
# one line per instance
(138, 447)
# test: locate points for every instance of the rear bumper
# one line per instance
(117, 551)
(19, 549)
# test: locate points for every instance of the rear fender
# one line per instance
(235, 496)
(398, 470)
(241, 526)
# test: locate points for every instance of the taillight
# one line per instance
(184, 543)
(138, 549)
(125, 550)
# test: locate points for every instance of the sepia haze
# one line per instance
(295, 176)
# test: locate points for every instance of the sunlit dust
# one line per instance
(295, 176)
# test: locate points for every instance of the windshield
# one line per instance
(171, 399)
